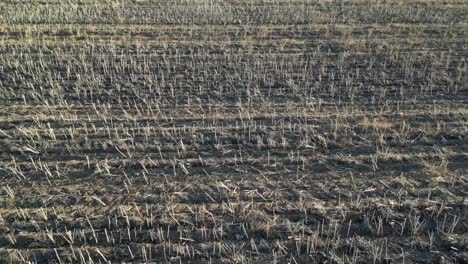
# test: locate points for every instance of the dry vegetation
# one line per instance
(236, 131)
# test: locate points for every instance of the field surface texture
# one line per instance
(235, 131)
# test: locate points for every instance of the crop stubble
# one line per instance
(233, 131)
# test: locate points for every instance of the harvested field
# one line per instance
(236, 131)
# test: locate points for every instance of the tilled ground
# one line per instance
(233, 131)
